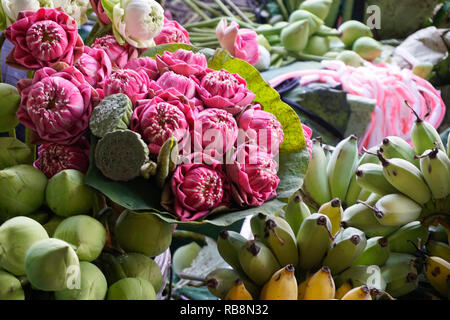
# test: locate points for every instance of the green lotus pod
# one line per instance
(368, 48)
(352, 30)
(350, 58)
(93, 285)
(52, 265)
(166, 162)
(17, 235)
(423, 69)
(318, 7)
(131, 289)
(317, 46)
(136, 265)
(10, 98)
(120, 155)
(10, 287)
(86, 235)
(22, 191)
(52, 224)
(67, 195)
(143, 232)
(295, 36)
(13, 152)
(112, 113)
(314, 22)
(262, 41)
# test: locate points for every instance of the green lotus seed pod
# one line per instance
(262, 41)
(120, 155)
(93, 285)
(13, 152)
(318, 7)
(112, 113)
(423, 69)
(143, 232)
(295, 36)
(67, 195)
(10, 287)
(52, 265)
(52, 224)
(314, 22)
(10, 97)
(86, 235)
(317, 46)
(352, 30)
(17, 235)
(22, 191)
(368, 48)
(350, 58)
(131, 289)
(136, 265)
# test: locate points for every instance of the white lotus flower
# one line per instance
(11, 8)
(75, 8)
(138, 21)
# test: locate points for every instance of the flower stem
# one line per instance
(12, 133)
(224, 8)
(32, 147)
(202, 38)
(196, 9)
(283, 9)
(2, 41)
(204, 24)
(203, 31)
(238, 11)
(184, 234)
(210, 44)
(91, 36)
(208, 8)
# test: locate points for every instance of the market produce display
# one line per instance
(144, 157)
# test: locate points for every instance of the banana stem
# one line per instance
(184, 234)
(2, 41)
(196, 9)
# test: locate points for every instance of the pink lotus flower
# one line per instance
(215, 132)
(56, 105)
(240, 43)
(307, 133)
(95, 65)
(262, 128)
(156, 120)
(172, 32)
(182, 84)
(147, 64)
(53, 158)
(199, 188)
(182, 62)
(134, 84)
(118, 54)
(43, 38)
(223, 90)
(100, 12)
(254, 176)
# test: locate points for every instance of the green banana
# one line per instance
(395, 210)
(281, 242)
(369, 275)
(400, 240)
(257, 223)
(376, 252)
(364, 195)
(396, 147)
(296, 211)
(399, 258)
(438, 249)
(353, 192)
(313, 239)
(401, 278)
(228, 245)
(342, 166)
(258, 261)
(315, 183)
(221, 280)
(328, 150)
(370, 176)
(406, 178)
(435, 167)
(345, 249)
(370, 156)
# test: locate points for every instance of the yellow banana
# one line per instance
(437, 271)
(333, 210)
(281, 286)
(238, 292)
(343, 289)
(302, 287)
(358, 293)
(320, 286)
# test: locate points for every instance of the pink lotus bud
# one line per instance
(172, 32)
(223, 90)
(100, 12)
(182, 62)
(254, 176)
(199, 188)
(95, 65)
(118, 54)
(56, 105)
(162, 117)
(43, 38)
(134, 84)
(182, 84)
(53, 158)
(262, 128)
(144, 63)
